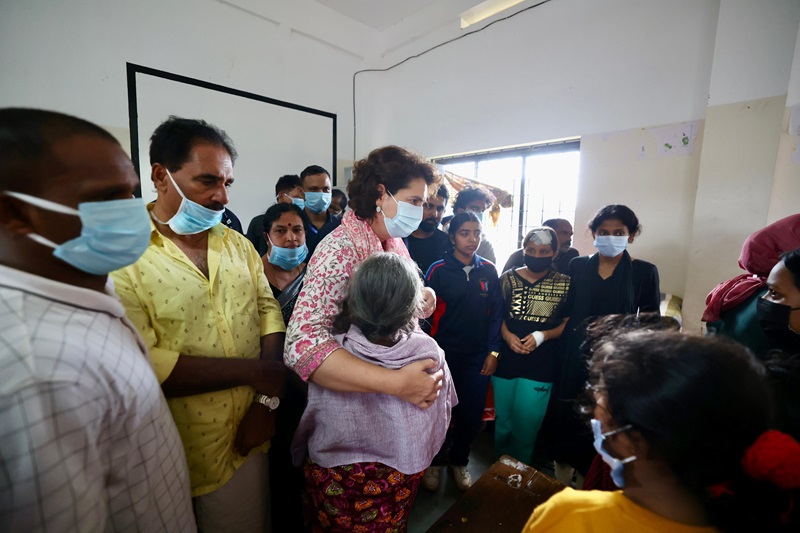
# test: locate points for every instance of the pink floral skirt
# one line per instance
(361, 497)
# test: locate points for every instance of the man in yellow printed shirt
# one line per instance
(200, 300)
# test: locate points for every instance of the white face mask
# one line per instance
(405, 221)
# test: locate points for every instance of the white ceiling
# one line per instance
(366, 29)
(377, 14)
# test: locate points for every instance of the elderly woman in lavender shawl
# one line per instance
(365, 454)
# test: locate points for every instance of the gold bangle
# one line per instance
(496, 355)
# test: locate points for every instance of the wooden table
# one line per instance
(501, 500)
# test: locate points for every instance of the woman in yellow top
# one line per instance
(683, 423)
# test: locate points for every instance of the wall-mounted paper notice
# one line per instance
(794, 121)
(676, 139)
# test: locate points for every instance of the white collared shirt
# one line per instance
(87, 442)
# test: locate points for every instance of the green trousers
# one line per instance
(520, 405)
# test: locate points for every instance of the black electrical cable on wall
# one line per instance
(422, 54)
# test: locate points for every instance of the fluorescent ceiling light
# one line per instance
(484, 10)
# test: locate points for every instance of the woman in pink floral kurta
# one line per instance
(309, 341)
(387, 177)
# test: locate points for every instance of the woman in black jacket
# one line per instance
(605, 283)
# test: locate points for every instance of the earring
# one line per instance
(378, 208)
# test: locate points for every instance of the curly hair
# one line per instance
(470, 194)
(391, 166)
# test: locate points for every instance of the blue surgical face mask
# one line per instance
(617, 465)
(299, 202)
(611, 245)
(287, 258)
(405, 221)
(114, 234)
(191, 218)
(318, 202)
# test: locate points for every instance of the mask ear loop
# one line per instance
(153, 215)
(43, 204)
(378, 208)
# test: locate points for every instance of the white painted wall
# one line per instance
(754, 49)
(566, 68)
(70, 56)
(793, 96)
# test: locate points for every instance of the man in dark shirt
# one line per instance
(428, 243)
(338, 203)
(565, 252)
(232, 221)
(318, 221)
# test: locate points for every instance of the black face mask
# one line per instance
(773, 318)
(538, 264)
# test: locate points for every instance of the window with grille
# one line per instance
(543, 180)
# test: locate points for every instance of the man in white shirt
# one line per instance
(87, 442)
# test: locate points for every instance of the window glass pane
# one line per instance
(505, 173)
(465, 170)
(550, 190)
(551, 187)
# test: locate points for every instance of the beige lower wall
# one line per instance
(696, 208)
(737, 170)
(633, 168)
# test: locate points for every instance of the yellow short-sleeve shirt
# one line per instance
(584, 511)
(177, 310)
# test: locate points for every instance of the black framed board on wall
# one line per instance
(273, 137)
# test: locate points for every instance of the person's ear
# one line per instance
(630, 238)
(381, 195)
(631, 442)
(15, 219)
(158, 173)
